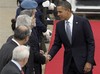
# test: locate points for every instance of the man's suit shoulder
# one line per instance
(10, 68)
(9, 44)
(80, 18)
(7, 48)
(60, 22)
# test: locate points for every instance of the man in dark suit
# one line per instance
(20, 57)
(21, 36)
(78, 41)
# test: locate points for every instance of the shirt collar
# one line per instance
(70, 20)
(15, 41)
(17, 64)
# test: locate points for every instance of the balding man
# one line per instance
(21, 36)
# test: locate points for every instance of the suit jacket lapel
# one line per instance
(75, 23)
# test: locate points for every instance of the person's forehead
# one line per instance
(60, 8)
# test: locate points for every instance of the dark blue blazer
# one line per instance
(82, 47)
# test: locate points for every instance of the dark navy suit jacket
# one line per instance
(82, 47)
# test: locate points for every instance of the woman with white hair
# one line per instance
(26, 20)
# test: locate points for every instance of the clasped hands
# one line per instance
(47, 56)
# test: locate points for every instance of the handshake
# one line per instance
(47, 56)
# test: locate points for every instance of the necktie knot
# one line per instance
(67, 22)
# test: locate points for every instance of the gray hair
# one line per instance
(30, 12)
(27, 12)
(20, 52)
(23, 20)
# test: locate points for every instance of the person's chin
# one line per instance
(62, 19)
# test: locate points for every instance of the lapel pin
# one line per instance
(76, 22)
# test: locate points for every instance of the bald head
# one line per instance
(21, 32)
(23, 28)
